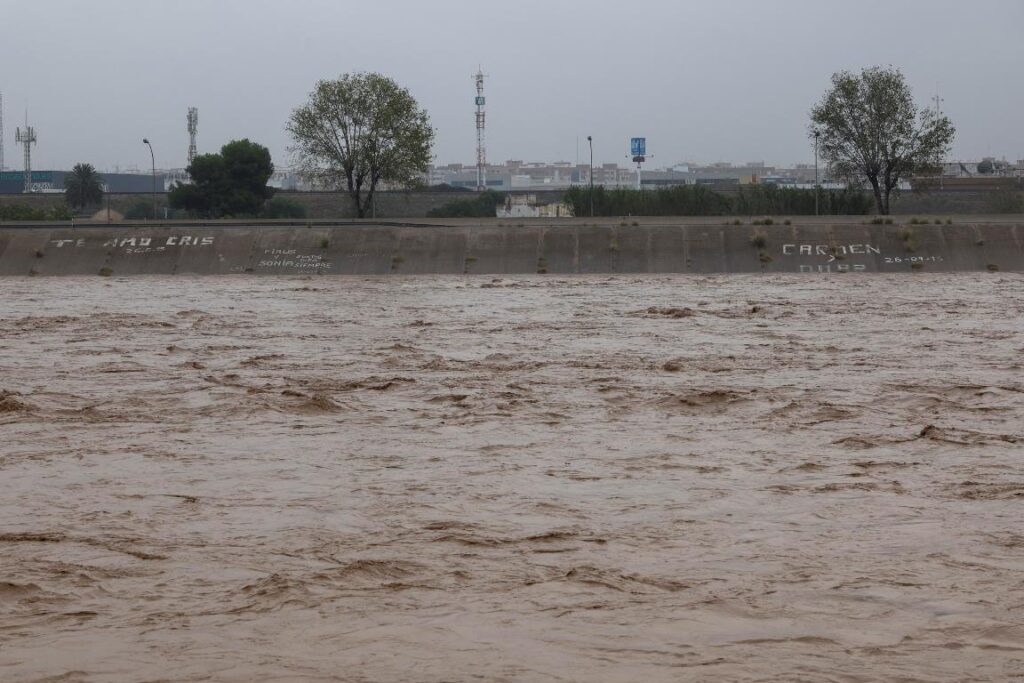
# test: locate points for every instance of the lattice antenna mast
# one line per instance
(193, 130)
(481, 125)
(27, 138)
(938, 114)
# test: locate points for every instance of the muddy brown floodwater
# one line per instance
(735, 478)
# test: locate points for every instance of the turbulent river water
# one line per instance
(734, 478)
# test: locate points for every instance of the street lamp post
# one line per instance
(152, 159)
(590, 141)
(816, 134)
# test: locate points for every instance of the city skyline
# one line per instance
(717, 83)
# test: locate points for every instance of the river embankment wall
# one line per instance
(470, 247)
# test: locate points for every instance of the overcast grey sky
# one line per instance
(703, 81)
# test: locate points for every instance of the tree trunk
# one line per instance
(888, 192)
(883, 208)
(368, 204)
(354, 191)
(356, 202)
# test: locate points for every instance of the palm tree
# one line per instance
(82, 186)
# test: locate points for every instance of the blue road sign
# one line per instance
(638, 146)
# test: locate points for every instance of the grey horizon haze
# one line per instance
(702, 81)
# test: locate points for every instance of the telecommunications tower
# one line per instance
(481, 151)
(193, 129)
(27, 137)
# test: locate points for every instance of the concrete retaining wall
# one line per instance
(562, 248)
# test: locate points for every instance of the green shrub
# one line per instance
(20, 212)
(1006, 201)
(61, 212)
(772, 200)
(480, 205)
(681, 200)
(280, 207)
(139, 211)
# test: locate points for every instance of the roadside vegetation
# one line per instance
(480, 205)
(20, 212)
(695, 200)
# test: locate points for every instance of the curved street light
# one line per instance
(152, 159)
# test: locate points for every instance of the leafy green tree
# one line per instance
(231, 183)
(83, 187)
(986, 167)
(869, 128)
(359, 130)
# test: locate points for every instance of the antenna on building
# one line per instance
(193, 129)
(27, 138)
(481, 151)
(1, 131)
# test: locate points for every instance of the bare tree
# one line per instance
(870, 129)
(360, 130)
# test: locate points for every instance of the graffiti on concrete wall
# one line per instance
(291, 258)
(137, 245)
(845, 258)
